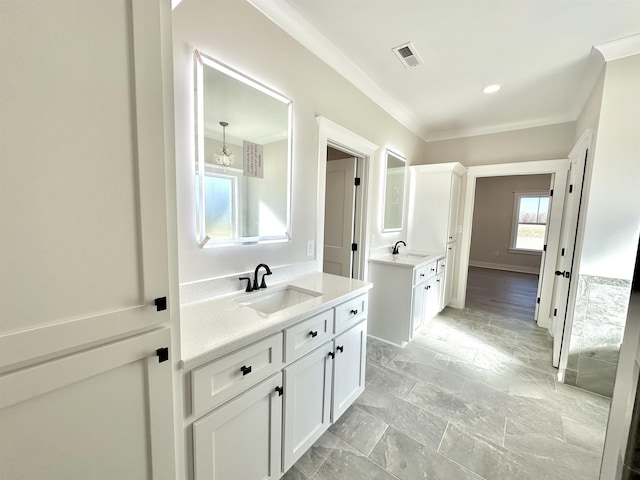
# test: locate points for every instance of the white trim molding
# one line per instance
(505, 267)
(330, 133)
(559, 169)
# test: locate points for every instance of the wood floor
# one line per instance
(511, 294)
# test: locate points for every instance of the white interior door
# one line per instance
(543, 258)
(339, 216)
(564, 264)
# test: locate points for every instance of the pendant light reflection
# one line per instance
(224, 156)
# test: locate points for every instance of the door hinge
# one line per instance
(538, 300)
(354, 247)
(356, 181)
(544, 249)
(570, 188)
(160, 303)
(280, 391)
(555, 312)
(562, 252)
(551, 193)
(163, 354)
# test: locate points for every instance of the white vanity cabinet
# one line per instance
(348, 368)
(403, 298)
(256, 410)
(320, 387)
(242, 438)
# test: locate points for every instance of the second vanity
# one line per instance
(267, 372)
(408, 291)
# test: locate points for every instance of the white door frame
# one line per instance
(330, 133)
(587, 140)
(559, 169)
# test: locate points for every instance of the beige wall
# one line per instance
(236, 34)
(541, 143)
(492, 222)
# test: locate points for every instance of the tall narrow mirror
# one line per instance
(243, 158)
(393, 192)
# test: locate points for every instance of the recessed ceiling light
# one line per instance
(491, 89)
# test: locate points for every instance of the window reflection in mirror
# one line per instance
(243, 158)
(393, 192)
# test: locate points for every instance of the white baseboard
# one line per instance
(505, 267)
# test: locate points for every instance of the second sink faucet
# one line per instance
(396, 250)
(255, 276)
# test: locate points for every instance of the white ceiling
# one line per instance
(540, 51)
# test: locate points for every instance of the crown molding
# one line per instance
(301, 30)
(616, 49)
(502, 128)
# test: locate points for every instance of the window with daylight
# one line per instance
(530, 213)
(219, 218)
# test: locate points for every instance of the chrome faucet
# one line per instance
(255, 276)
(395, 250)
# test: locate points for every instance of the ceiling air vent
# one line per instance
(407, 55)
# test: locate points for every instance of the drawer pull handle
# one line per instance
(245, 370)
(280, 391)
(340, 348)
(422, 274)
(332, 355)
(313, 333)
(354, 312)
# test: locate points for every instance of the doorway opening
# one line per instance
(508, 238)
(333, 137)
(342, 196)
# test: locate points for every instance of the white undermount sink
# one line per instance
(277, 299)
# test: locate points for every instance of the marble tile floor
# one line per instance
(474, 396)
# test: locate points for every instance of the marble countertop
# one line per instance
(408, 259)
(214, 327)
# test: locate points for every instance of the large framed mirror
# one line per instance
(243, 158)
(395, 173)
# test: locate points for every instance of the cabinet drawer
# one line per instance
(350, 313)
(440, 266)
(431, 269)
(303, 337)
(419, 274)
(222, 379)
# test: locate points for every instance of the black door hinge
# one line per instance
(555, 312)
(551, 193)
(570, 188)
(354, 247)
(562, 252)
(544, 249)
(356, 181)
(280, 391)
(538, 300)
(163, 354)
(160, 303)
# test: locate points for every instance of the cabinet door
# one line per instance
(431, 301)
(105, 413)
(454, 203)
(348, 368)
(449, 273)
(307, 402)
(417, 307)
(82, 175)
(241, 439)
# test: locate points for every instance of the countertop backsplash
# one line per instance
(213, 287)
